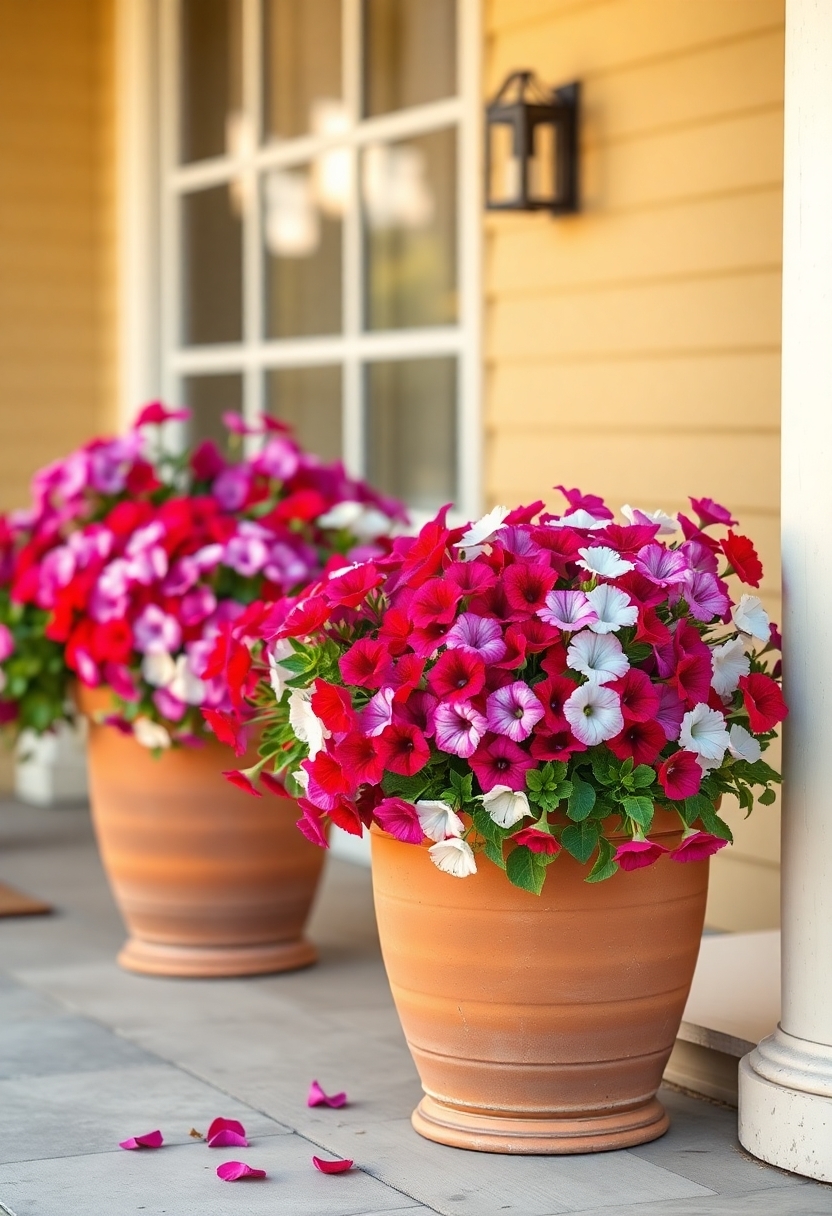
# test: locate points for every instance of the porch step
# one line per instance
(734, 1002)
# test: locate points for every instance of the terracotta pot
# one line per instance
(210, 881)
(539, 1024)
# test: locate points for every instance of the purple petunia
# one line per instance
(478, 635)
(513, 711)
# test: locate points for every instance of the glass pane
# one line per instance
(409, 53)
(302, 68)
(309, 399)
(303, 257)
(409, 198)
(209, 397)
(411, 430)
(210, 35)
(212, 278)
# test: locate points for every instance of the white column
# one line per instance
(786, 1083)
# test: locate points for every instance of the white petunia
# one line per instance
(185, 685)
(342, 515)
(578, 519)
(603, 561)
(454, 857)
(703, 733)
(742, 745)
(484, 530)
(158, 669)
(302, 777)
(505, 806)
(750, 617)
(278, 674)
(668, 524)
(594, 713)
(303, 720)
(613, 608)
(598, 656)
(150, 734)
(730, 662)
(438, 820)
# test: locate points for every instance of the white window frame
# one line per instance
(150, 183)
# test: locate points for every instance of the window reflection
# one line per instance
(309, 399)
(210, 38)
(409, 53)
(208, 398)
(212, 250)
(303, 258)
(302, 63)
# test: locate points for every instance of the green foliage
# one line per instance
(581, 839)
(526, 869)
(492, 835)
(605, 865)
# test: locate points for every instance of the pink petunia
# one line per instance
(662, 566)
(526, 586)
(513, 711)
(459, 728)
(225, 1133)
(477, 635)
(236, 1171)
(500, 761)
(710, 512)
(568, 610)
(697, 846)
(400, 819)
(705, 597)
(148, 1140)
(637, 854)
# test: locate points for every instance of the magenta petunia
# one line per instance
(705, 596)
(513, 711)
(311, 824)
(147, 1140)
(710, 512)
(500, 761)
(377, 714)
(680, 775)
(339, 1166)
(457, 676)
(459, 728)
(471, 578)
(419, 708)
(640, 742)
(435, 603)
(317, 1097)
(400, 819)
(697, 846)
(662, 566)
(636, 854)
(479, 635)
(226, 1133)
(639, 696)
(692, 679)
(586, 502)
(552, 693)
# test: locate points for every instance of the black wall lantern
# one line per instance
(531, 147)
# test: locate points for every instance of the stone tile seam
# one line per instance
(114, 1152)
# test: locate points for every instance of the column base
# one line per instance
(785, 1104)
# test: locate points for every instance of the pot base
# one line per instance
(503, 1134)
(156, 958)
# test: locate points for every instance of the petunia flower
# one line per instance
(639, 696)
(438, 820)
(457, 676)
(598, 656)
(339, 1166)
(697, 846)
(148, 1140)
(513, 711)
(459, 728)
(479, 534)
(367, 663)
(552, 693)
(377, 714)
(640, 742)
(730, 662)
(235, 1171)
(567, 610)
(403, 749)
(506, 806)
(156, 631)
(662, 566)
(526, 585)
(537, 841)
(435, 603)
(710, 512)
(763, 702)
(750, 617)
(500, 761)
(150, 734)
(668, 524)
(703, 733)
(586, 502)
(555, 744)
(742, 745)
(580, 519)
(704, 596)
(454, 857)
(680, 775)
(158, 669)
(637, 854)
(742, 556)
(317, 1097)
(594, 713)
(400, 818)
(692, 678)
(311, 823)
(603, 561)
(305, 723)
(361, 759)
(614, 609)
(478, 635)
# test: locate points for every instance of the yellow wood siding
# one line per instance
(633, 350)
(57, 332)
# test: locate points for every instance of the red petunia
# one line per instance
(680, 775)
(639, 741)
(763, 702)
(403, 748)
(743, 557)
(328, 773)
(551, 693)
(352, 588)
(361, 759)
(457, 676)
(651, 629)
(366, 664)
(526, 586)
(305, 617)
(227, 729)
(435, 603)
(555, 745)
(639, 696)
(243, 782)
(537, 841)
(692, 679)
(334, 707)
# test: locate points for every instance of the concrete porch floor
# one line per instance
(90, 1055)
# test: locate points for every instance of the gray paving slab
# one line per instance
(180, 1180)
(63, 1044)
(802, 1199)
(80, 1113)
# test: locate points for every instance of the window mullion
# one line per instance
(353, 417)
(253, 388)
(171, 301)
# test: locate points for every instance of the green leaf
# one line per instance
(604, 768)
(462, 785)
(627, 766)
(581, 800)
(580, 839)
(637, 652)
(494, 852)
(487, 828)
(716, 826)
(605, 865)
(643, 776)
(696, 808)
(767, 797)
(640, 809)
(410, 788)
(525, 870)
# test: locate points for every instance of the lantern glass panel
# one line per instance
(542, 162)
(505, 182)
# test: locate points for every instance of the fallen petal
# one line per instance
(233, 1171)
(148, 1140)
(224, 1125)
(317, 1097)
(332, 1167)
(226, 1138)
